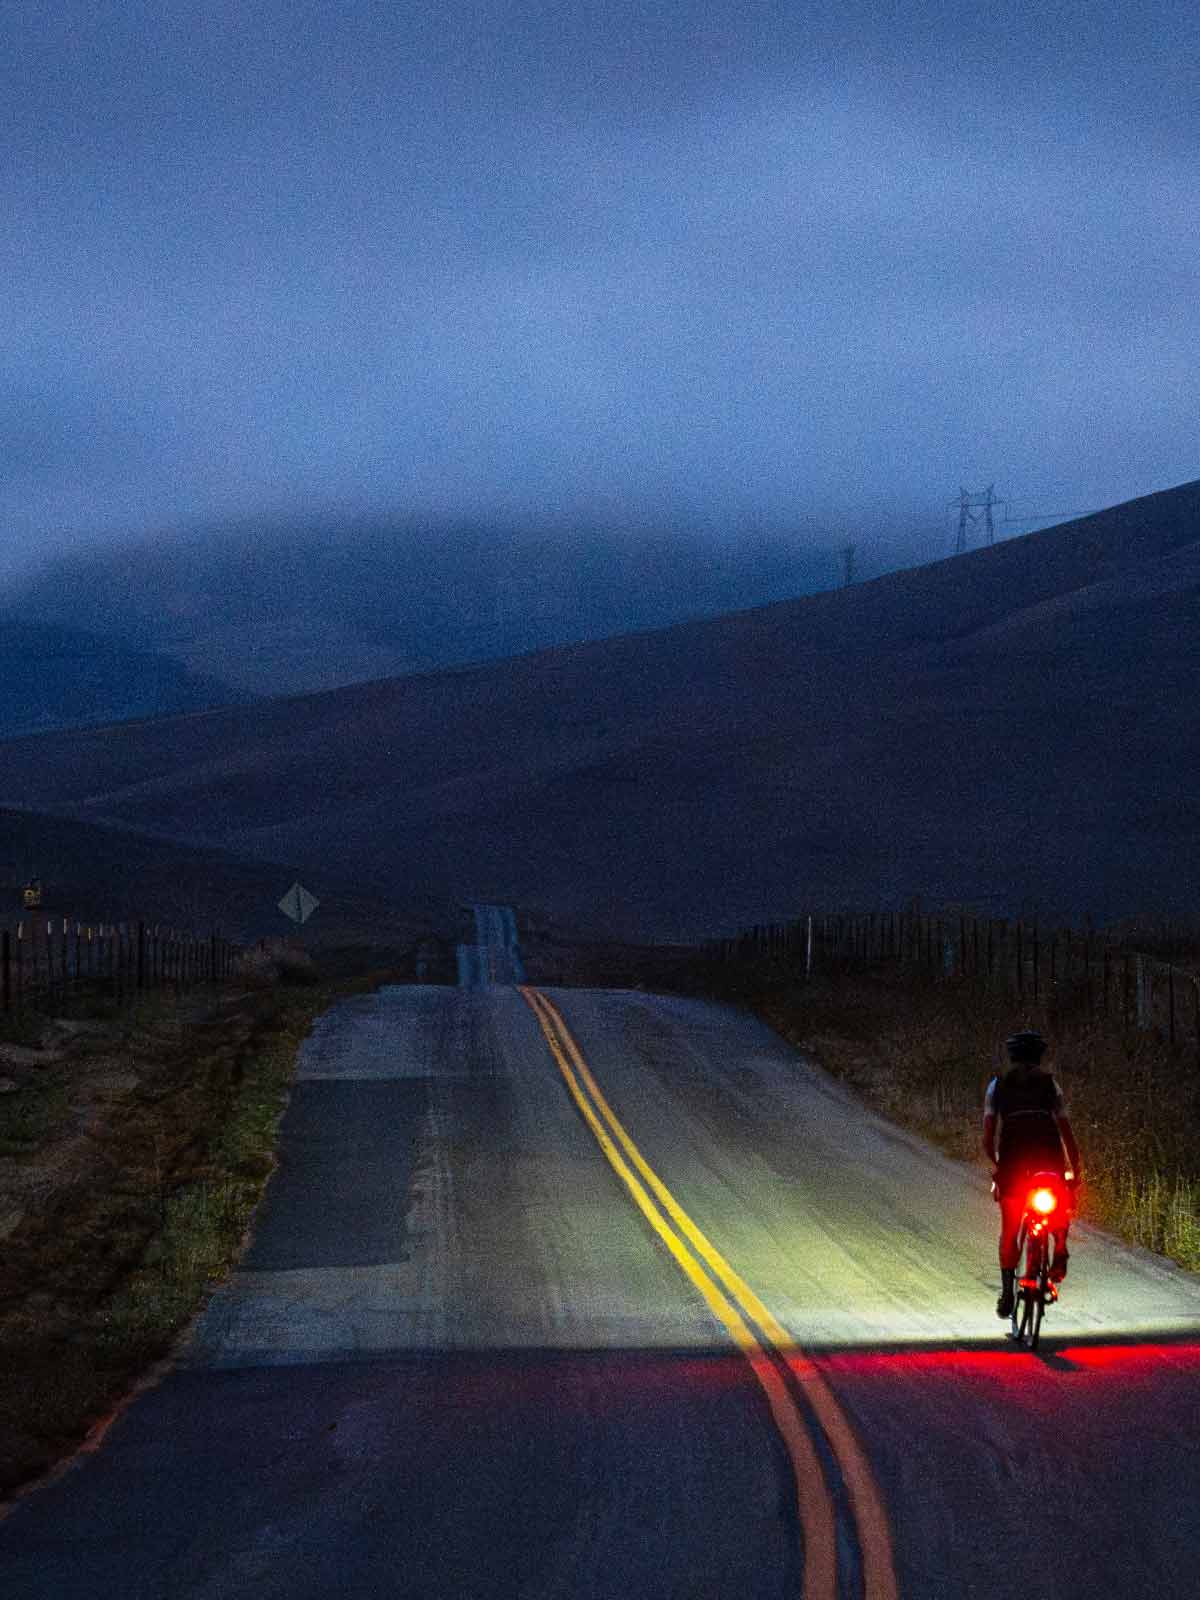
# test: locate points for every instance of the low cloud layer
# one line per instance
(714, 265)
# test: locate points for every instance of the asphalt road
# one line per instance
(463, 1357)
(495, 955)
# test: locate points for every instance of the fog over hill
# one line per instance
(1014, 728)
(278, 608)
(59, 677)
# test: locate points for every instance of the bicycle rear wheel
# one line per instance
(1028, 1325)
(1036, 1306)
(1019, 1314)
(1022, 1317)
(1045, 1291)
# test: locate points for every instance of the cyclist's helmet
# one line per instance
(1028, 1046)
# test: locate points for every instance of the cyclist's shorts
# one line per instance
(1014, 1183)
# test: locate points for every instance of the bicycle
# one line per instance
(1046, 1202)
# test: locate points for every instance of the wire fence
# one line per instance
(1090, 972)
(44, 959)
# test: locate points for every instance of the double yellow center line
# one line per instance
(765, 1343)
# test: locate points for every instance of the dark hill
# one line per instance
(57, 677)
(1016, 727)
(103, 874)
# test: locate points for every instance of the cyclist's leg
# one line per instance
(1012, 1208)
(1011, 1211)
(1058, 1267)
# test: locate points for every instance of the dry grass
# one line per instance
(276, 961)
(921, 1054)
(132, 1157)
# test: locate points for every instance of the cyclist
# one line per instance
(1035, 1136)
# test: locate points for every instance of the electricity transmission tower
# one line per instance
(966, 502)
(986, 500)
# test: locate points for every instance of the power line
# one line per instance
(1047, 516)
(986, 500)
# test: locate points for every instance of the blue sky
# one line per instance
(733, 266)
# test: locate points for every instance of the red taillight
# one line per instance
(1043, 1201)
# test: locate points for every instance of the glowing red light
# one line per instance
(1043, 1201)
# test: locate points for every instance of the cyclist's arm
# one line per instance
(989, 1123)
(1068, 1138)
(989, 1136)
(1066, 1133)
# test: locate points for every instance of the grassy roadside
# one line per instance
(921, 1053)
(132, 1155)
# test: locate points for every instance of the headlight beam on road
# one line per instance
(735, 1305)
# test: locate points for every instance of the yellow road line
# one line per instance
(866, 1501)
(813, 1500)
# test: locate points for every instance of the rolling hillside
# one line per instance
(57, 677)
(98, 873)
(1016, 727)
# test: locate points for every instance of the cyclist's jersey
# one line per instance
(1027, 1104)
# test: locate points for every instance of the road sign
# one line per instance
(298, 904)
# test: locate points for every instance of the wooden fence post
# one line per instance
(1145, 992)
